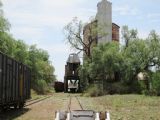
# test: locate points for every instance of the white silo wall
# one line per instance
(104, 17)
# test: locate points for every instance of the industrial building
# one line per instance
(102, 30)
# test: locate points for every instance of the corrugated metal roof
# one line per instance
(73, 58)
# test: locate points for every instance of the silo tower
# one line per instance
(104, 18)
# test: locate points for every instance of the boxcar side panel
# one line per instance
(16, 85)
(4, 79)
(15, 81)
(28, 81)
(25, 83)
(11, 80)
(7, 80)
(21, 82)
(1, 79)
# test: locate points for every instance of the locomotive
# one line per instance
(71, 78)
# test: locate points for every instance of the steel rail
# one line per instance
(36, 101)
(79, 103)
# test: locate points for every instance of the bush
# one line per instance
(41, 87)
(155, 81)
(144, 87)
(116, 88)
(94, 91)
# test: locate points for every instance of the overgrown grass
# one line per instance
(93, 91)
(125, 107)
(35, 95)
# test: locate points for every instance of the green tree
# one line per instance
(105, 66)
(21, 51)
(74, 36)
(7, 45)
(109, 62)
(128, 35)
(6, 40)
(155, 83)
(153, 43)
(4, 24)
(41, 68)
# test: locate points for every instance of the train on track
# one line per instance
(15, 79)
(71, 78)
(59, 86)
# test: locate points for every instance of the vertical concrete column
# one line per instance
(104, 18)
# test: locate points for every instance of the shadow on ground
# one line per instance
(11, 113)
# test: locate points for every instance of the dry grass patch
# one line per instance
(125, 107)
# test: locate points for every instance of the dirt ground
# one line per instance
(43, 110)
(121, 107)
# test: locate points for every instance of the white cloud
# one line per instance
(52, 3)
(60, 3)
(151, 15)
(44, 12)
(32, 19)
(126, 10)
(143, 34)
(25, 33)
(60, 48)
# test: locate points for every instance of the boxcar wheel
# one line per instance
(4, 108)
(21, 105)
(1, 109)
(15, 106)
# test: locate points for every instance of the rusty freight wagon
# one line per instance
(15, 79)
(59, 86)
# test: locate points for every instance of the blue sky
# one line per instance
(41, 22)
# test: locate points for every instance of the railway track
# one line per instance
(36, 100)
(75, 111)
(79, 103)
(74, 103)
